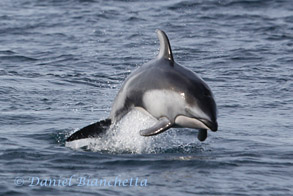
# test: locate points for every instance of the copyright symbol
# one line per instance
(18, 181)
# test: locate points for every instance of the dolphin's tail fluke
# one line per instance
(90, 131)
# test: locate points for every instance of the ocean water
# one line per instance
(62, 63)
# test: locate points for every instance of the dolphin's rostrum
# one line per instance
(172, 94)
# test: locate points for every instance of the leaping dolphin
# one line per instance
(172, 94)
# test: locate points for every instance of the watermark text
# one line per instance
(80, 181)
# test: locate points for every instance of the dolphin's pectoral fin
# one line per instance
(162, 125)
(202, 135)
(91, 130)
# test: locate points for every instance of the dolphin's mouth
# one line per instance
(197, 123)
(211, 125)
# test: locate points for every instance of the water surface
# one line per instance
(62, 63)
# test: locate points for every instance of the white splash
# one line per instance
(125, 138)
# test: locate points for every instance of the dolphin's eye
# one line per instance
(207, 93)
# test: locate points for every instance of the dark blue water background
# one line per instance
(62, 63)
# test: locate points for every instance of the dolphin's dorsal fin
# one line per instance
(165, 47)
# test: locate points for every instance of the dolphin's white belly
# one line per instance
(170, 104)
(164, 103)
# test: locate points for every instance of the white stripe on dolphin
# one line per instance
(174, 95)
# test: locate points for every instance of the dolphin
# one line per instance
(171, 93)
